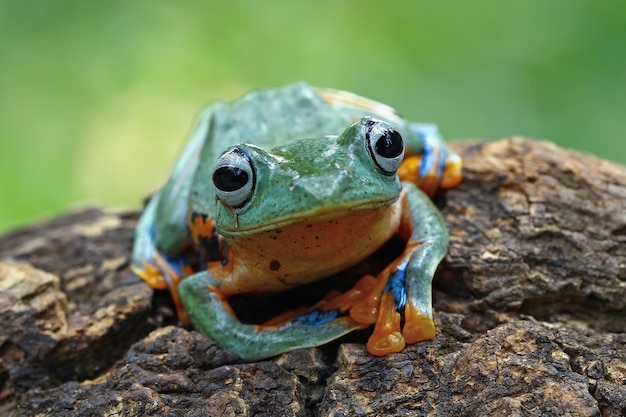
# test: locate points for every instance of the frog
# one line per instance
(288, 186)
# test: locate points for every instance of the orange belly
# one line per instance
(296, 254)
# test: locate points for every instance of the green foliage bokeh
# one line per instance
(96, 97)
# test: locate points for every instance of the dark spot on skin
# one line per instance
(274, 265)
(278, 231)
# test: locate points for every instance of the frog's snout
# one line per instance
(323, 186)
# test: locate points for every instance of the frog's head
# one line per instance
(307, 180)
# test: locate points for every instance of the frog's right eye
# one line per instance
(234, 177)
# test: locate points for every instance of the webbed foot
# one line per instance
(400, 302)
(161, 274)
(397, 317)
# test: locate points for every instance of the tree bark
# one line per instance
(530, 307)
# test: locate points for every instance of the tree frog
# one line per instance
(288, 186)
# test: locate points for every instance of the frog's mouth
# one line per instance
(368, 212)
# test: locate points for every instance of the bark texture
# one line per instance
(530, 301)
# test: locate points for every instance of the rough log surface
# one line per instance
(530, 301)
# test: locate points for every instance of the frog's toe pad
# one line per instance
(384, 344)
(417, 326)
(152, 276)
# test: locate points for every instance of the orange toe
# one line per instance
(386, 337)
(417, 327)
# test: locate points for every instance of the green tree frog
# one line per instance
(288, 186)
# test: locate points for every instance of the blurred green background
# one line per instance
(97, 97)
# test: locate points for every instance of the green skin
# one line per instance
(296, 177)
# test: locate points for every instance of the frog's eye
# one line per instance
(385, 146)
(233, 177)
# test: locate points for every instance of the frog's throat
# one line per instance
(303, 251)
(315, 215)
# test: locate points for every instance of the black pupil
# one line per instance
(390, 144)
(230, 178)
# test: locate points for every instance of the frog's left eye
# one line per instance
(233, 177)
(385, 146)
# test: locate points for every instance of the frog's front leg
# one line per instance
(401, 305)
(211, 315)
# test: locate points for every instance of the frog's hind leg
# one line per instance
(402, 301)
(429, 164)
(211, 315)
